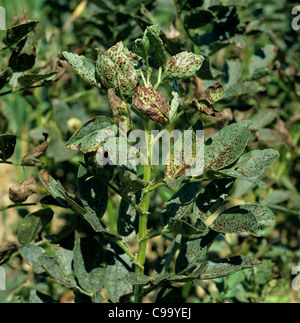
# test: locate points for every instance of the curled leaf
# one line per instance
(151, 103)
(20, 193)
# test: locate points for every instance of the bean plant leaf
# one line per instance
(59, 193)
(33, 224)
(226, 3)
(193, 251)
(116, 70)
(182, 227)
(31, 254)
(207, 100)
(93, 193)
(142, 47)
(20, 193)
(37, 297)
(262, 61)
(224, 267)
(59, 267)
(128, 220)
(29, 79)
(90, 278)
(179, 205)
(252, 165)
(84, 67)
(130, 183)
(91, 135)
(153, 33)
(7, 146)
(5, 76)
(174, 105)
(181, 157)
(119, 265)
(151, 103)
(245, 218)
(224, 148)
(182, 66)
(198, 17)
(16, 33)
(211, 198)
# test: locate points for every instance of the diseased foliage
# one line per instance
(148, 79)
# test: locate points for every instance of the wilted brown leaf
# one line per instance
(20, 193)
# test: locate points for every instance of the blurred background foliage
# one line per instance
(251, 49)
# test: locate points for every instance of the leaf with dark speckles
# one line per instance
(252, 165)
(224, 148)
(245, 218)
(92, 135)
(182, 66)
(117, 285)
(84, 67)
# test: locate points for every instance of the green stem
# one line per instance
(128, 253)
(15, 206)
(159, 80)
(143, 219)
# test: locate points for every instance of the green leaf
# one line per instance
(198, 17)
(142, 47)
(223, 267)
(226, 3)
(86, 258)
(175, 172)
(92, 135)
(180, 203)
(262, 61)
(59, 194)
(7, 146)
(245, 218)
(153, 33)
(59, 267)
(29, 79)
(163, 265)
(33, 224)
(119, 265)
(37, 297)
(5, 76)
(211, 198)
(175, 104)
(128, 220)
(182, 66)
(130, 183)
(193, 251)
(182, 227)
(93, 193)
(16, 33)
(31, 255)
(263, 118)
(84, 67)
(252, 165)
(224, 148)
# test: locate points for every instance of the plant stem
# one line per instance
(143, 219)
(15, 206)
(159, 78)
